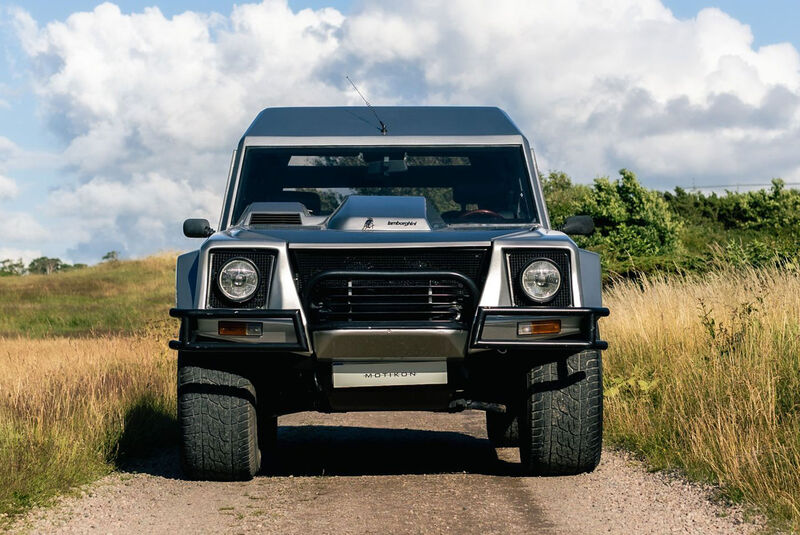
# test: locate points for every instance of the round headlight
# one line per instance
(541, 279)
(238, 280)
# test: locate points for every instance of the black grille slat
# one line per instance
(396, 304)
(275, 219)
(426, 288)
(334, 296)
(357, 298)
(470, 262)
(264, 262)
(518, 259)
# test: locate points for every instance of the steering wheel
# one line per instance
(482, 214)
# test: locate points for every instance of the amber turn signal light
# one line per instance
(239, 328)
(530, 328)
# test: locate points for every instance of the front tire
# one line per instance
(561, 419)
(218, 420)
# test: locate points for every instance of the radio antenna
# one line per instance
(383, 128)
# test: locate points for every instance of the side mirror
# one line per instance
(197, 228)
(579, 225)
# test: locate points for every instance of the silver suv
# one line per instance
(399, 263)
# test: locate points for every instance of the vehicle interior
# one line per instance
(467, 185)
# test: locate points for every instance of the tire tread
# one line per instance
(218, 429)
(562, 431)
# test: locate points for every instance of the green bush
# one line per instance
(776, 210)
(630, 220)
(634, 227)
(642, 230)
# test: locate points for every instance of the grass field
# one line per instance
(99, 387)
(73, 408)
(702, 375)
(110, 298)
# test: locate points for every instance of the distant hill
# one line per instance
(113, 297)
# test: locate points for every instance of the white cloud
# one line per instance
(12, 156)
(20, 228)
(134, 93)
(7, 148)
(8, 188)
(141, 97)
(26, 255)
(149, 107)
(601, 85)
(138, 217)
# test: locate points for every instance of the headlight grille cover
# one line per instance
(518, 259)
(264, 261)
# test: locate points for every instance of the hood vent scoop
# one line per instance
(275, 219)
(385, 213)
(279, 214)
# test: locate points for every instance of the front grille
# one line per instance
(518, 259)
(396, 300)
(264, 262)
(352, 296)
(470, 262)
(275, 219)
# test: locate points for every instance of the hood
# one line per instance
(376, 220)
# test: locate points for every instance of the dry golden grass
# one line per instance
(703, 374)
(71, 408)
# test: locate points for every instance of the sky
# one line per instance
(117, 120)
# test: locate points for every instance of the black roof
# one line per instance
(400, 120)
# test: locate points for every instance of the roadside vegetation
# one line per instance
(646, 231)
(702, 374)
(72, 409)
(73, 406)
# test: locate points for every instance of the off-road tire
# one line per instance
(561, 421)
(502, 429)
(218, 420)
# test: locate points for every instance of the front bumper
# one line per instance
(493, 328)
(496, 327)
(282, 330)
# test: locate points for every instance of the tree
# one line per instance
(10, 267)
(111, 256)
(630, 220)
(45, 266)
(563, 197)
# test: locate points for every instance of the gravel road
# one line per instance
(389, 473)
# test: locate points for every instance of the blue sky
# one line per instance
(772, 21)
(711, 107)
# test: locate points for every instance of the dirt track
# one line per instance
(389, 473)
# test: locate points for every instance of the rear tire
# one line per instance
(218, 420)
(502, 429)
(561, 421)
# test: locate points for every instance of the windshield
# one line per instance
(467, 185)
